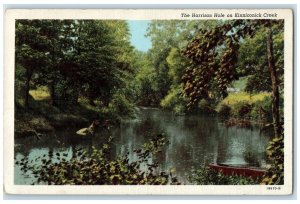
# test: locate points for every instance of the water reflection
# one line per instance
(194, 141)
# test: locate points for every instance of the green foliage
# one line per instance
(74, 58)
(224, 111)
(210, 64)
(205, 107)
(266, 106)
(214, 56)
(165, 58)
(171, 99)
(146, 82)
(174, 101)
(275, 172)
(244, 105)
(121, 105)
(177, 64)
(99, 169)
(257, 67)
(207, 176)
(243, 109)
(234, 98)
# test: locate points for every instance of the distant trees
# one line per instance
(73, 57)
(164, 60)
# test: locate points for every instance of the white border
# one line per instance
(141, 14)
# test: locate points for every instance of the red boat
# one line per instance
(229, 170)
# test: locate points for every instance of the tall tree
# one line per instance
(31, 50)
(213, 55)
(256, 68)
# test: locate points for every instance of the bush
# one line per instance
(170, 100)
(205, 107)
(241, 110)
(121, 105)
(266, 105)
(174, 101)
(99, 169)
(179, 109)
(244, 110)
(224, 111)
(275, 172)
(234, 98)
(245, 105)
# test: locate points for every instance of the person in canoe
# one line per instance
(89, 131)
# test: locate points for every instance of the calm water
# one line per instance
(194, 141)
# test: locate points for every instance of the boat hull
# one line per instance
(240, 171)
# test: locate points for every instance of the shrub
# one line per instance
(241, 109)
(121, 105)
(266, 105)
(245, 105)
(174, 101)
(99, 169)
(205, 107)
(224, 111)
(244, 110)
(234, 98)
(179, 109)
(170, 100)
(275, 172)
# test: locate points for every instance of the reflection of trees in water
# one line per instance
(60, 141)
(241, 146)
(194, 140)
(222, 148)
(147, 127)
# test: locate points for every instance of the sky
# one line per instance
(138, 29)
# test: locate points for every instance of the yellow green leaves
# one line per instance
(275, 153)
(99, 168)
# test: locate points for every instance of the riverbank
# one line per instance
(245, 109)
(41, 117)
(194, 141)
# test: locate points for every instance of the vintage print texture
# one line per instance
(149, 101)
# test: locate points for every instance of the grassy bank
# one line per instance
(42, 117)
(246, 106)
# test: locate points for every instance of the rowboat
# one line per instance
(230, 170)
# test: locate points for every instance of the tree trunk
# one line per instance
(53, 95)
(275, 89)
(27, 89)
(91, 98)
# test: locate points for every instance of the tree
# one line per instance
(49, 75)
(213, 55)
(169, 37)
(31, 50)
(74, 57)
(256, 68)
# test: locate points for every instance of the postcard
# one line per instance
(148, 101)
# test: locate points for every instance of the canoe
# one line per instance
(229, 170)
